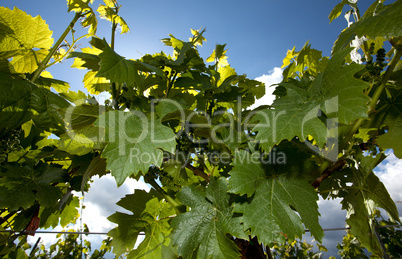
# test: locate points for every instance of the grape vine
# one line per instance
(228, 181)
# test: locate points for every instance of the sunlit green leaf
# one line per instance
(108, 12)
(149, 215)
(95, 84)
(58, 85)
(335, 92)
(337, 10)
(22, 39)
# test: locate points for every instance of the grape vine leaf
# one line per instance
(150, 215)
(89, 18)
(96, 167)
(24, 35)
(52, 216)
(78, 5)
(75, 143)
(390, 116)
(306, 60)
(335, 92)
(88, 58)
(277, 189)
(22, 185)
(82, 116)
(14, 101)
(78, 98)
(135, 142)
(366, 193)
(120, 70)
(26, 61)
(46, 105)
(394, 133)
(82, 136)
(157, 229)
(205, 226)
(95, 84)
(108, 12)
(48, 82)
(337, 10)
(385, 23)
(22, 100)
(219, 55)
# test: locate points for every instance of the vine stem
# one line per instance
(325, 171)
(375, 98)
(115, 90)
(53, 50)
(170, 84)
(166, 196)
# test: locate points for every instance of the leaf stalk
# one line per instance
(166, 196)
(53, 50)
(115, 90)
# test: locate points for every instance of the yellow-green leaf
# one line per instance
(24, 36)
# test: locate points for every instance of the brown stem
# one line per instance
(328, 172)
(252, 249)
(199, 172)
(269, 252)
(33, 224)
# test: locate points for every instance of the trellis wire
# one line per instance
(142, 233)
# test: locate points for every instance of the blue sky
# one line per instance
(258, 34)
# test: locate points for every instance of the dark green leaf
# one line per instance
(205, 227)
(278, 189)
(14, 101)
(135, 142)
(21, 186)
(47, 105)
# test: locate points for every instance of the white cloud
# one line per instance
(390, 173)
(274, 76)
